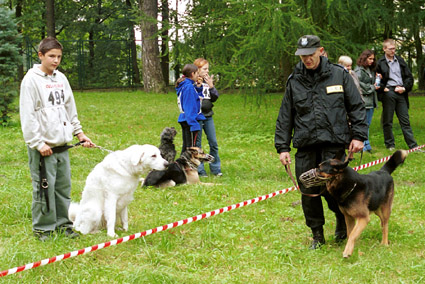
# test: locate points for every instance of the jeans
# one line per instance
(209, 129)
(369, 115)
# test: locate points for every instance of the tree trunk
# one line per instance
(287, 68)
(50, 18)
(388, 32)
(153, 79)
(165, 58)
(18, 15)
(176, 45)
(135, 67)
(420, 60)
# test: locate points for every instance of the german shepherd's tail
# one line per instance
(396, 159)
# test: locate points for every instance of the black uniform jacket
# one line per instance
(314, 110)
(383, 68)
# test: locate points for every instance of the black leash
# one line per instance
(44, 184)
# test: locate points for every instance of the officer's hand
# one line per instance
(285, 158)
(356, 146)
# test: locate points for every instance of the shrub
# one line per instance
(9, 61)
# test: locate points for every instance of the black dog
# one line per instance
(360, 195)
(167, 147)
(183, 170)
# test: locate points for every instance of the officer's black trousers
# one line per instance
(306, 159)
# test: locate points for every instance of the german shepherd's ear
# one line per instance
(341, 165)
(340, 154)
(192, 150)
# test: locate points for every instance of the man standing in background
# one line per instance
(396, 82)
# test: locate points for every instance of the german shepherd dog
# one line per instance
(183, 171)
(360, 195)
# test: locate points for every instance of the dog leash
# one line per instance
(103, 149)
(44, 184)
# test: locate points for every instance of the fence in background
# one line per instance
(92, 64)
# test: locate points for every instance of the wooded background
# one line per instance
(250, 44)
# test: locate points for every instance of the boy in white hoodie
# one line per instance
(49, 120)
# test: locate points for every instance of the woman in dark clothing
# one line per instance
(365, 71)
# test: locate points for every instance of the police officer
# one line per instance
(319, 99)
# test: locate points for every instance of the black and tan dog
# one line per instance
(360, 195)
(183, 171)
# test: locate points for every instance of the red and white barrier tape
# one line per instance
(361, 167)
(168, 226)
(143, 234)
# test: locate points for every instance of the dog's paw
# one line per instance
(125, 229)
(347, 253)
(166, 184)
(112, 235)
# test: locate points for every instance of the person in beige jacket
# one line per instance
(49, 121)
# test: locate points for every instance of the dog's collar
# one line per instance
(345, 195)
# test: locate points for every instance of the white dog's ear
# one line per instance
(135, 160)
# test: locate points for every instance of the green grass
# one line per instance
(261, 243)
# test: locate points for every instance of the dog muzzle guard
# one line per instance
(311, 178)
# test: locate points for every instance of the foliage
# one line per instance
(413, 18)
(262, 243)
(9, 59)
(249, 43)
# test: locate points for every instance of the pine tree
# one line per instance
(9, 58)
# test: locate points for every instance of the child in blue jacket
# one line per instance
(189, 102)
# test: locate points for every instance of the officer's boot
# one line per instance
(318, 238)
(341, 229)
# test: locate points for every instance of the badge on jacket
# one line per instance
(334, 89)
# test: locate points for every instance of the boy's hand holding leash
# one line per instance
(87, 142)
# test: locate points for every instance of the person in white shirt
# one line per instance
(49, 121)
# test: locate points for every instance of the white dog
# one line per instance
(110, 186)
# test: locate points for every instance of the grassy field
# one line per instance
(262, 243)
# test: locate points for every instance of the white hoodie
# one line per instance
(47, 109)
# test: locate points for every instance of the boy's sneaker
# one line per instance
(220, 174)
(43, 236)
(69, 233)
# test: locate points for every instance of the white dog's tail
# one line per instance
(73, 211)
